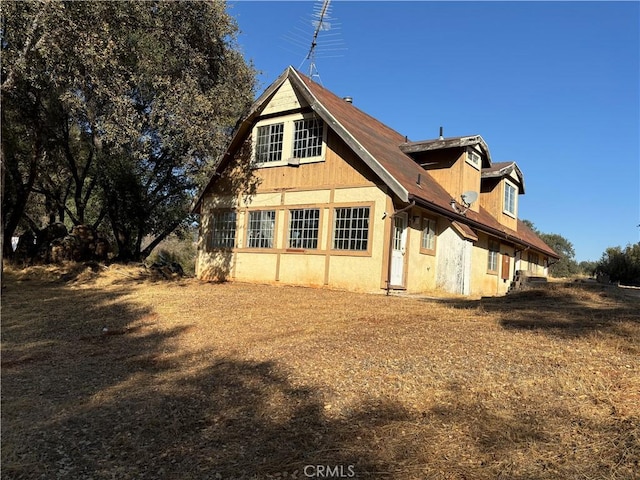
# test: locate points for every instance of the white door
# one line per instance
(398, 250)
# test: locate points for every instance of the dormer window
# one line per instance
(474, 159)
(510, 198)
(292, 140)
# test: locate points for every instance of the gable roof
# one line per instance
(379, 147)
(504, 169)
(449, 142)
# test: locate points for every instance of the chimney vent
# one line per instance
(348, 99)
(441, 131)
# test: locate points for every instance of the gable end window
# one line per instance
(261, 229)
(269, 143)
(289, 140)
(307, 140)
(351, 228)
(223, 230)
(510, 198)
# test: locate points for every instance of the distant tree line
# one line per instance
(621, 265)
(617, 264)
(113, 114)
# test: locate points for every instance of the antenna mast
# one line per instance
(311, 56)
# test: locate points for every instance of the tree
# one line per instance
(142, 96)
(588, 267)
(566, 266)
(621, 265)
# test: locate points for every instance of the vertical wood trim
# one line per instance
(329, 239)
(386, 243)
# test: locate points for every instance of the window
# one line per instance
(261, 229)
(223, 230)
(303, 228)
(307, 141)
(494, 249)
(428, 234)
(351, 228)
(473, 158)
(269, 143)
(278, 142)
(510, 194)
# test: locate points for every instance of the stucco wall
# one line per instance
(354, 270)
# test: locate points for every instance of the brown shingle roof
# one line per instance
(379, 147)
(383, 144)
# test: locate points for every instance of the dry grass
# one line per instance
(222, 381)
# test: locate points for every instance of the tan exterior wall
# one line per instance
(492, 199)
(456, 176)
(353, 270)
(331, 172)
(484, 282)
(421, 265)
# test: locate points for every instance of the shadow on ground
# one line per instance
(91, 389)
(565, 310)
(79, 403)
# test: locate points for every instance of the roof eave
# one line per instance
(317, 106)
(241, 128)
(478, 225)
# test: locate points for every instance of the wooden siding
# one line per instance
(341, 167)
(492, 199)
(284, 99)
(454, 174)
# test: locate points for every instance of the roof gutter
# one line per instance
(472, 223)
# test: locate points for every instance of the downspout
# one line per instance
(391, 217)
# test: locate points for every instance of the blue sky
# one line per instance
(554, 86)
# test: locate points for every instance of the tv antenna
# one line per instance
(324, 29)
(320, 24)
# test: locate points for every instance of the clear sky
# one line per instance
(553, 86)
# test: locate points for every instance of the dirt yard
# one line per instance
(116, 375)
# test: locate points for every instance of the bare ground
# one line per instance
(117, 375)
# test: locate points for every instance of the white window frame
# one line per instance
(474, 159)
(351, 233)
(505, 205)
(306, 142)
(304, 228)
(261, 229)
(270, 144)
(289, 140)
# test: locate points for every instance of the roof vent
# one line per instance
(441, 131)
(348, 99)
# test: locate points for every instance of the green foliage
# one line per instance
(621, 265)
(566, 266)
(588, 267)
(124, 108)
(178, 250)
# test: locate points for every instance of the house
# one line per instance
(313, 191)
